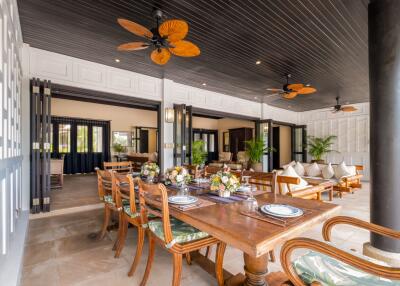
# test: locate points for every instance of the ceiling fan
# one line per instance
(165, 39)
(338, 107)
(290, 91)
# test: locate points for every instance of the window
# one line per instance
(97, 139)
(64, 138)
(82, 139)
(121, 137)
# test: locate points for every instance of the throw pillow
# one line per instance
(290, 172)
(341, 170)
(299, 168)
(313, 170)
(290, 164)
(328, 172)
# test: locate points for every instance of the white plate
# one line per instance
(201, 180)
(244, 189)
(182, 200)
(280, 210)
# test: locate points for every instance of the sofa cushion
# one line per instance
(242, 157)
(299, 168)
(290, 172)
(327, 171)
(181, 231)
(293, 163)
(224, 156)
(314, 266)
(341, 170)
(313, 170)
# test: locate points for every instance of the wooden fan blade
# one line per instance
(307, 90)
(135, 28)
(133, 46)
(275, 89)
(295, 86)
(185, 49)
(174, 30)
(290, 95)
(160, 56)
(348, 108)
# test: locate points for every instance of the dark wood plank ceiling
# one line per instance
(321, 42)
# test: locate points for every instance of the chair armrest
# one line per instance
(330, 223)
(336, 253)
(306, 191)
(352, 178)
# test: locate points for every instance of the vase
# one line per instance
(149, 179)
(257, 167)
(224, 194)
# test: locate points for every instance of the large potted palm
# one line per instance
(318, 147)
(255, 150)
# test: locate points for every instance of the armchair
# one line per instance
(326, 264)
(307, 192)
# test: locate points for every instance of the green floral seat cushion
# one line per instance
(127, 210)
(108, 199)
(181, 231)
(314, 266)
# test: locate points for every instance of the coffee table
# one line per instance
(326, 184)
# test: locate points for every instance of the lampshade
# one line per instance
(169, 115)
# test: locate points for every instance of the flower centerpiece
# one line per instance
(225, 183)
(150, 170)
(178, 176)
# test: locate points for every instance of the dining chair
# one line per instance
(106, 194)
(122, 167)
(325, 264)
(175, 236)
(130, 214)
(262, 180)
(211, 170)
(194, 170)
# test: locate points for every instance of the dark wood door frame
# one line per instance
(94, 96)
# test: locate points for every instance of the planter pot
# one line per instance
(318, 161)
(224, 194)
(257, 167)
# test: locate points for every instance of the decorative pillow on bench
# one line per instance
(290, 172)
(313, 170)
(328, 172)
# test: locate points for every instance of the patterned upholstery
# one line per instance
(108, 199)
(314, 266)
(181, 231)
(127, 210)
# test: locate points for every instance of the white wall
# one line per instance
(13, 218)
(351, 129)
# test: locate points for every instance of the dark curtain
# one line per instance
(81, 162)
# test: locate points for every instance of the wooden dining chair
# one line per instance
(194, 170)
(211, 170)
(107, 195)
(173, 235)
(121, 167)
(130, 214)
(325, 264)
(262, 180)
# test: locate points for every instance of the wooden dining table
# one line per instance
(253, 236)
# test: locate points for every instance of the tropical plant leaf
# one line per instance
(318, 147)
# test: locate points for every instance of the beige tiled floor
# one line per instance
(58, 251)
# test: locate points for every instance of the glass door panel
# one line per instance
(299, 143)
(182, 134)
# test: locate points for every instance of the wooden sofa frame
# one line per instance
(311, 192)
(349, 184)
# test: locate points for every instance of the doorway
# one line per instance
(210, 139)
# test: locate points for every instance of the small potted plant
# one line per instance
(198, 154)
(318, 147)
(225, 183)
(118, 148)
(150, 170)
(255, 150)
(178, 176)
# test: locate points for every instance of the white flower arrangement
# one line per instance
(150, 170)
(178, 176)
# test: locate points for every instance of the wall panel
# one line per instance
(352, 130)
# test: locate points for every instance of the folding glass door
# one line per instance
(299, 143)
(182, 134)
(210, 139)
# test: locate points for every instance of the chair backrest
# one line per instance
(155, 193)
(264, 181)
(104, 183)
(224, 156)
(288, 181)
(211, 170)
(137, 162)
(237, 173)
(194, 170)
(124, 166)
(125, 189)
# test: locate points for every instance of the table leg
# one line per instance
(255, 268)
